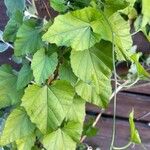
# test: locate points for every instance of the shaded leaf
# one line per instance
(25, 76)
(13, 6)
(8, 88)
(12, 26)
(28, 39)
(65, 73)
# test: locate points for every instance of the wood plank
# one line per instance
(143, 88)
(103, 138)
(125, 103)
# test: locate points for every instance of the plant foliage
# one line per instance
(65, 62)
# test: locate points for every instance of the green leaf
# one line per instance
(63, 138)
(26, 143)
(14, 5)
(65, 73)
(25, 76)
(43, 65)
(77, 110)
(135, 137)
(58, 5)
(17, 126)
(139, 68)
(64, 5)
(145, 12)
(12, 26)
(8, 88)
(88, 129)
(76, 29)
(94, 66)
(28, 39)
(48, 106)
(122, 37)
(111, 6)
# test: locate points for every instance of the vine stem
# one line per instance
(47, 10)
(94, 123)
(115, 94)
(124, 147)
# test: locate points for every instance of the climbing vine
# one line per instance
(64, 63)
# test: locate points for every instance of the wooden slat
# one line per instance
(103, 138)
(143, 88)
(125, 103)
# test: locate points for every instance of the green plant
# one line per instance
(66, 62)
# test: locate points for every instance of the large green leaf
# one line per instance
(135, 137)
(145, 12)
(8, 88)
(14, 5)
(12, 26)
(93, 66)
(18, 125)
(28, 39)
(43, 65)
(25, 76)
(121, 36)
(26, 143)
(63, 138)
(48, 106)
(77, 29)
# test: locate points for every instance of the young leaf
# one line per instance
(25, 76)
(76, 29)
(43, 65)
(26, 143)
(48, 106)
(94, 66)
(8, 88)
(63, 138)
(140, 69)
(13, 6)
(59, 5)
(28, 39)
(17, 126)
(12, 26)
(135, 137)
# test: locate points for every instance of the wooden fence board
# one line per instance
(125, 103)
(103, 138)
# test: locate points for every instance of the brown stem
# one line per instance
(47, 10)
(94, 123)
